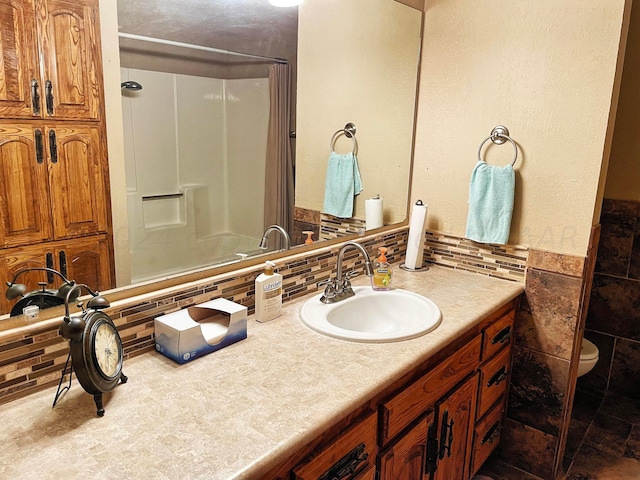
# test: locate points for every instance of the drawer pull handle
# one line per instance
(446, 440)
(431, 460)
(492, 434)
(48, 88)
(498, 377)
(35, 97)
(348, 464)
(502, 336)
(53, 147)
(39, 146)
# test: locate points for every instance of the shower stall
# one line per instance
(195, 152)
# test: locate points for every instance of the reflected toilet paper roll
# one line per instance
(373, 213)
(415, 241)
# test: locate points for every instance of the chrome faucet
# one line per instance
(338, 289)
(283, 232)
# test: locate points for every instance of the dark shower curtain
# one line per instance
(279, 186)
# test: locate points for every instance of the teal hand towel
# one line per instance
(342, 183)
(491, 193)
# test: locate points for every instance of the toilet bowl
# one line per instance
(588, 357)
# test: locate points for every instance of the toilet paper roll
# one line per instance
(415, 241)
(373, 213)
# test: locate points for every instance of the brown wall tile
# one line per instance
(528, 449)
(625, 369)
(556, 262)
(549, 313)
(615, 307)
(538, 385)
(616, 242)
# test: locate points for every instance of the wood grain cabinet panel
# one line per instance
(352, 452)
(71, 58)
(52, 66)
(77, 181)
(19, 71)
(405, 458)
(494, 379)
(85, 260)
(456, 420)
(404, 407)
(24, 190)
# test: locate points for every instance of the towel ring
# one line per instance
(499, 135)
(348, 131)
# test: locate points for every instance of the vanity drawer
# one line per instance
(354, 449)
(487, 435)
(498, 334)
(399, 411)
(494, 379)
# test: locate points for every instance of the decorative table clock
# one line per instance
(95, 348)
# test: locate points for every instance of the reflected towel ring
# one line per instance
(499, 135)
(349, 131)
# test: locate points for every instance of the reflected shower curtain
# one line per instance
(278, 194)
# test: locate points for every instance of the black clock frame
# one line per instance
(81, 332)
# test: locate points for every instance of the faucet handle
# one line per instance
(329, 291)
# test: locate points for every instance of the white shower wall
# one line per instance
(203, 138)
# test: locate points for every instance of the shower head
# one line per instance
(130, 85)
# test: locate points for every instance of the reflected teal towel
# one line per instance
(491, 193)
(343, 182)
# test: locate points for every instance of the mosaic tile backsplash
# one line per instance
(34, 360)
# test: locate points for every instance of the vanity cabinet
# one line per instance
(440, 422)
(54, 180)
(52, 63)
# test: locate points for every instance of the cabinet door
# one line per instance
(24, 197)
(85, 260)
(351, 453)
(405, 458)
(77, 181)
(18, 60)
(70, 51)
(456, 417)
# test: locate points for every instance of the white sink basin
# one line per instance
(373, 316)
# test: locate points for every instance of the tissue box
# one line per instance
(201, 329)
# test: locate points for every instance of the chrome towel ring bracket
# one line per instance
(348, 131)
(499, 135)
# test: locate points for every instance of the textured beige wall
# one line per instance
(546, 70)
(357, 62)
(623, 177)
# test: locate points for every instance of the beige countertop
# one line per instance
(236, 412)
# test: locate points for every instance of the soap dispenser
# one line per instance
(268, 294)
(381, 279)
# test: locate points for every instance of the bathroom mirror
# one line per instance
(196, 133)
(372, 83)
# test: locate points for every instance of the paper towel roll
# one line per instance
(373, 212)
(415, 241)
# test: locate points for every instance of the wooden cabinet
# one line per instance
(439, 423)
(24, 200)
(52, 61)
(350, 455)
(495, 374)
(85, 260)
(54, 181)
(456, 419)
(405, 458)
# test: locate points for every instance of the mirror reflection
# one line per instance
(202, 182)
(200, 190)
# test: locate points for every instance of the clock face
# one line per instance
(106, 349)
